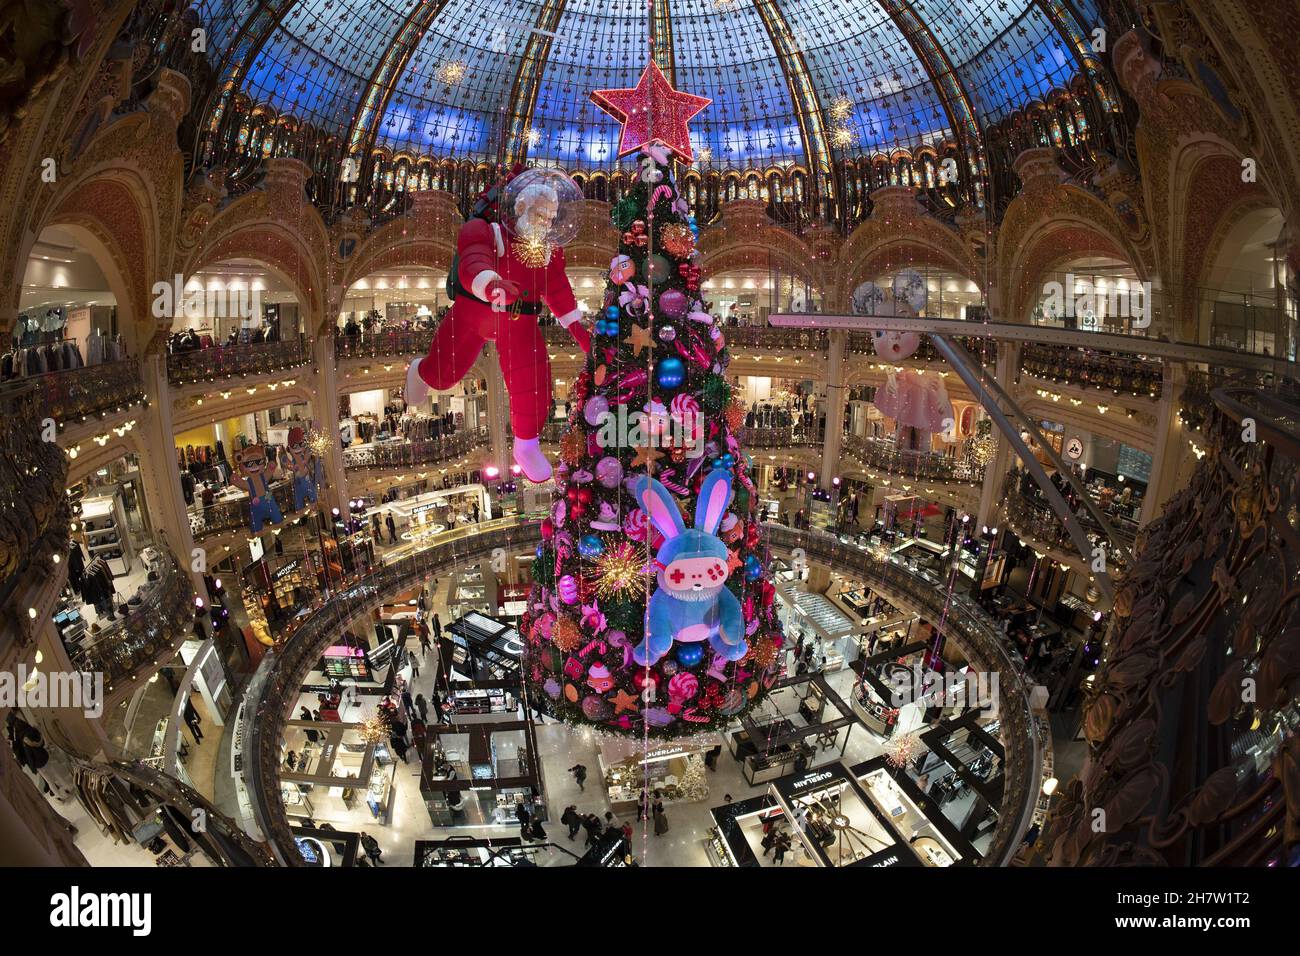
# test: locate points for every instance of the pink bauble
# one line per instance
(636, 524)
(684, 685)
(609, 471)
(568, 588)
(674, 304)
(595, 409)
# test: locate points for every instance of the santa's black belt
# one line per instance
(518, 307)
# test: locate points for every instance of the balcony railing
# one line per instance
(1113, 371)
(148, 633)
(234, 514)
(986, 350)
(402, 454)
(769, 337)
(780, 436)
(298, 650)
(1032, 516)
(223, 361)
(408, 342)
(885, 455)
(77, 394)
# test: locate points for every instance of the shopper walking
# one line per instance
(571, 820)
(661, 819)
(579, 775)
(422, 707)
(594, 829)
(768, 840)
(782, 847)
(437, 625)
(524, 818)
(415, 666)
(371, 846)
(392, 528)
(399, 744)
(425, 644)
(192, 721)
(642, 806)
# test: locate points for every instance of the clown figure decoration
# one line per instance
(305, 466)
(507, 267)
(254, 473)
(914, 399)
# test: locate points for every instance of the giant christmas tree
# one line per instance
(652, 609)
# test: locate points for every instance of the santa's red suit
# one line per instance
(487, 309)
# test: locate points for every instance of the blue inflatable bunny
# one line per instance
(692, 603)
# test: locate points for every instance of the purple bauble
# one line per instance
(674, 304)
(609, 471)
(595, 409)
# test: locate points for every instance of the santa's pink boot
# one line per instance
(417, 389)
(529, 457)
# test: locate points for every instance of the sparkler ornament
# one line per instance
(534, 251)
(900, 750)
(375, 729)
(841, 108)
(319, 441)
(452, 72)
(621, 571)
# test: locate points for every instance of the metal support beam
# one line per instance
(965, 366)
(803, 93)
(364, 129)
(961, 115)
(528, 79)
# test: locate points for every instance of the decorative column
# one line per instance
(836, 402)
(1171, 447)
(160, 480)
(995, 471)
(498, 408)
(325, 411)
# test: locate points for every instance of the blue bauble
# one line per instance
(590, 546)
(611, 312)
(688, 655)
(539, 550)
(753, 568)
(670, 373)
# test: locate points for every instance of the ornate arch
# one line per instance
(425, 236)
(1050, 223)
(900, 232)
(744, 230)
(276, 225)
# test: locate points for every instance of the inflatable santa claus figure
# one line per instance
(509, 263)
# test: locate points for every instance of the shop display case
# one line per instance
(103, 519)
(674, 769)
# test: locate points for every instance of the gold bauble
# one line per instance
(677, 239)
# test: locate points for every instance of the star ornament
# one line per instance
(652, 112)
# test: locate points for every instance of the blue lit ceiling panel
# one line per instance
(439, 76)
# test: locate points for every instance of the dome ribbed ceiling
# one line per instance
(463, 77)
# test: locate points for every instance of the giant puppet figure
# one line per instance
(507, 265)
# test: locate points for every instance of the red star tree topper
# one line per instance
(652, 112)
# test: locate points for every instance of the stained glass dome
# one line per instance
(791, 81)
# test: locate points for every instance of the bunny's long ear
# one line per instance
(715, 495)
(659, 506)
